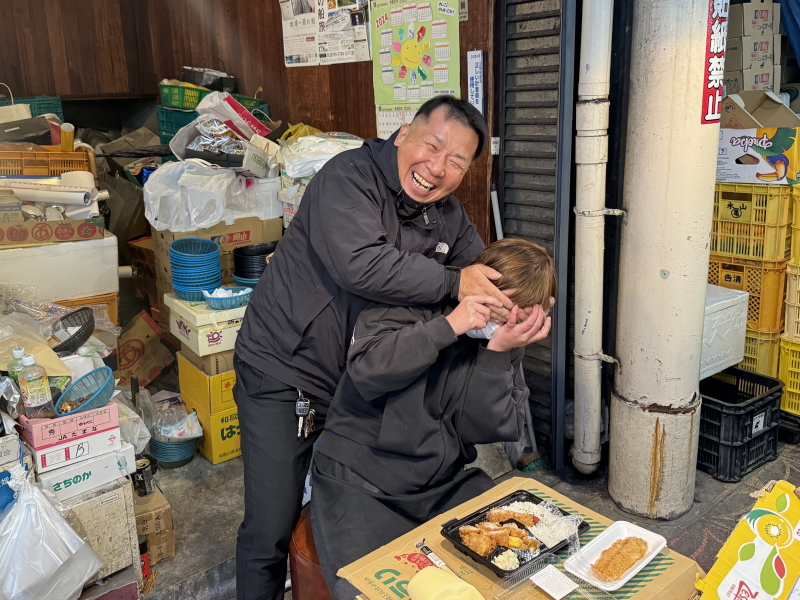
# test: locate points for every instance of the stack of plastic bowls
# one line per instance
(195, 267)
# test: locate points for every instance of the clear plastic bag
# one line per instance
(186, 196)
(168, 418)
(41, 557)
(131, 425)
(305, 156)
(215, 136)
(10, 398)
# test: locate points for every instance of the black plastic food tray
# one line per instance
(450, 531)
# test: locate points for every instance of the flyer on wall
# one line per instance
(414, 57)
(323, 32)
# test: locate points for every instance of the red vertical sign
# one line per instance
(716, 38)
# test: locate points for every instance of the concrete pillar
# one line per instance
(670, 167)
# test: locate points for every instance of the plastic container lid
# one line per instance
(28, 360)
(18, 352)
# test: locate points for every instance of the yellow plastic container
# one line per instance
(765, 281)
(761, 352)
(753, 221)
(790, 375)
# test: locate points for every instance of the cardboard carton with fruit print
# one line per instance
(767, 156)
(761, 558)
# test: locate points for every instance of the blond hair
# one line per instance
(525, 267)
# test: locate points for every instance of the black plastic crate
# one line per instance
(738, 405)
(789, 429)
(450, 531)
(739, 423)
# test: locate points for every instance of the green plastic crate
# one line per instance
(40, 105)
(170, 121)
(248, 102)
(181, 96)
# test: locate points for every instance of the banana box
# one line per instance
(761, 558)
(766, 156)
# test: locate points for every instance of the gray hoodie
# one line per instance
(415, 399)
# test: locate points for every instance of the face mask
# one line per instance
(485, 333)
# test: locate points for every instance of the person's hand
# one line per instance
(515, 335)
(476, 280)
(473, 312)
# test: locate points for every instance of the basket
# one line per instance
(171, 455)
(229, 303)
(761, 351)
(764, 281)
(752, 221)
(40, 105)
(45, 164)
(739, 420)
(195, 293)
(83, 318)
(790, 429)
(188, 250)
(181, 96)
(790, 375)
(98, 385)
(244, 281)
(247, 101)
(170, 121)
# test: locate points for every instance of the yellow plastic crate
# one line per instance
(765, 281)
(790, 375)
(761, 352)
(752, 221)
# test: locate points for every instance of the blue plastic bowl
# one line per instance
(98, 385)
(190, 248)
(185, 263)
(245, 282)
(190, 296)
(229, 303)
(199, 280)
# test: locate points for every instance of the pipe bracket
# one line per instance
(597, 356)
(617, 212)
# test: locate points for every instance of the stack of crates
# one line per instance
(790, 341)
(751, 245)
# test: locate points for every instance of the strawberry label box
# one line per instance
(73, 451)
(47, 232)
(43, 433)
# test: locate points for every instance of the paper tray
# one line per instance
(579, 564)
(450, 532)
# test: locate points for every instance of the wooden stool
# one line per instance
(307, 580)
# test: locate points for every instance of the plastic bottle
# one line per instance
(15, 364)
(34, 388)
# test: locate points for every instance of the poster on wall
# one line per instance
(415, 54)
(324, 32)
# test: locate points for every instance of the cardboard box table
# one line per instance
(385, 573)
(154, 519)
(204, 330)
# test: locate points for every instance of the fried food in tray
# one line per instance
(618, 558)
(500, 515)
(473, 538)
(484, 537)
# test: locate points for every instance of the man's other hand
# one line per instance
(476, 280)
(473, 312)
(536, 327)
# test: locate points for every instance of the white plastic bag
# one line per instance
(131, 426)
(225, 107)
(305, 156)
(41, 557)
(186, 196)
(253, 197)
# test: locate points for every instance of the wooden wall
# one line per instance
(121, 48)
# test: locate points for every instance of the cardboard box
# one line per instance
(757, 18)
(43, 433)
(110, 300)
(289, 211)
(10, 208)
(777, 74)
(162, 546)
(221, 440)
(106, 514)
(153, 514)
(213, 364)
(737, 56)
(141, 351)
(49, 232)
(6, 493)
(777, 53)
(732, 82)
(724, 330)
(759, 77)
(9, 445)
(735, 21)
(74, 451)
(203, 330)
(89, 474)
(761, 558)
(212, 393)
(386, 572)
(143, 259)
(59, 271)
(753, 109)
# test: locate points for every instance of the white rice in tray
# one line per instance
(552, 529)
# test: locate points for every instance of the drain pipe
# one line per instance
(591, 157)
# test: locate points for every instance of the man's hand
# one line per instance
(511, 335)
(476, 281)
(473, 312)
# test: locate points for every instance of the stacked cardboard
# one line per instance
(753, 53)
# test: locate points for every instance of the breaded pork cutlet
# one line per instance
(621, 556)
(476, 541)
(499, 515)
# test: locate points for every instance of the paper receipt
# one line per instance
(554, 582)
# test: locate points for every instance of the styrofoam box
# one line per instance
(66, 270)
(724, 330)
(90, 473)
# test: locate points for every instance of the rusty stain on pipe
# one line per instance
(656, 464)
